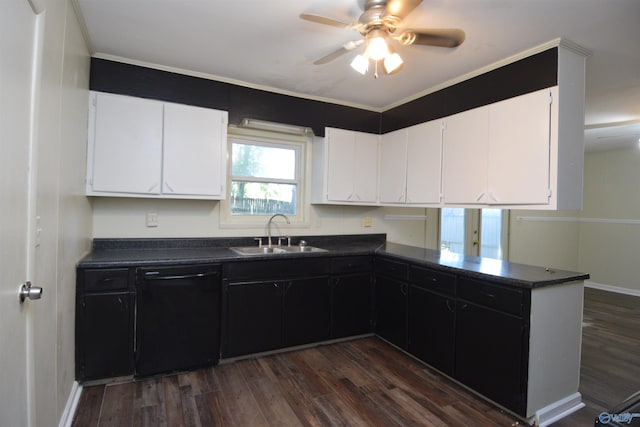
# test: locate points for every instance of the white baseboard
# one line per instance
(72, 403)
(558, 410)
(610, 288)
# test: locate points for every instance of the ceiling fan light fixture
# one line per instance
(392, 63)
(377, 48)
(361, 64)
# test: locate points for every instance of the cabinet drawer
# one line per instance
(509, 300)
(394, 269)
(104, 279)
(277, 268)
(351, 264)
(433, 280)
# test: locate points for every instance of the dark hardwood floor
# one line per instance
(364, 382)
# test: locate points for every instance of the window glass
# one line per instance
(264, 177)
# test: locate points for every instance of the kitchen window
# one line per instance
(265, 176)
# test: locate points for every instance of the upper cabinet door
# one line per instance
(365, 168)
(519, 153)
(466, 146)
(424, 163)
(340, 160)
(393, 166)
(125, 154)
(194, 148)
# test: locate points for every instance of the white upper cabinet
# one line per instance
(194, 151)
(519, 149)
(525, 152)
(125, 145)
(500, 154)
(393, 167)
(146, 148)
(410, 165)
(424, 163)
(466, 150)
(345, 168)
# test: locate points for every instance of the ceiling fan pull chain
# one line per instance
(375, 75)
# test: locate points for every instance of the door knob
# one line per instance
(28, 291)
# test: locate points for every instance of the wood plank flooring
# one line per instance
(363, 382)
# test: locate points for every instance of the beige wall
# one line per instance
(123, 217)
(610, 221)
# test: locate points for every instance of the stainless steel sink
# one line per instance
(303, 249)
(255, 250)
(274, 250)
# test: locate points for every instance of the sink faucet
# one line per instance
(271, 220)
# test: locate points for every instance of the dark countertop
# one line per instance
(147, 252)
(108, 253)
(510, 273)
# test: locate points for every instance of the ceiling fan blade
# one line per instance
(401, 8)
(339, 52)
(443, 37)
(324, 20)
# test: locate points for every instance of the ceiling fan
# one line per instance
(379, 25)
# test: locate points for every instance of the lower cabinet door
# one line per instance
(306, 311)
(351, 305)
(432, 328)
(104, 335)
(491, 351)
(253, 317)
(391, 310)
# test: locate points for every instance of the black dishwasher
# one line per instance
(177, 318)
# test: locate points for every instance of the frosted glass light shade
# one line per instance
(392, 62)
(360, 64)
(377, 48)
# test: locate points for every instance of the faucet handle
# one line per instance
(280, 239)
(259, 239)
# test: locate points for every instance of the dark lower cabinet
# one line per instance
(431, 328)
(105, 306)
(306, 311)
(253, 317)
(104, 335)
(491, 354)
(351, 300)
(391, 310)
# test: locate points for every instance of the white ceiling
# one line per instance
(265, 44)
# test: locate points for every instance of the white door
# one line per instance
(17, 46)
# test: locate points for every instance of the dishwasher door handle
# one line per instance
(151, 275)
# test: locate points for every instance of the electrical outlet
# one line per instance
(152, 219)
(367, 221)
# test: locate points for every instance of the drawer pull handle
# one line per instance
(449, 306)
(150, 276)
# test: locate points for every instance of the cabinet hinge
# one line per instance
(550, 98)
(443, 125)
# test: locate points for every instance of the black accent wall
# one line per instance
(527, 75)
